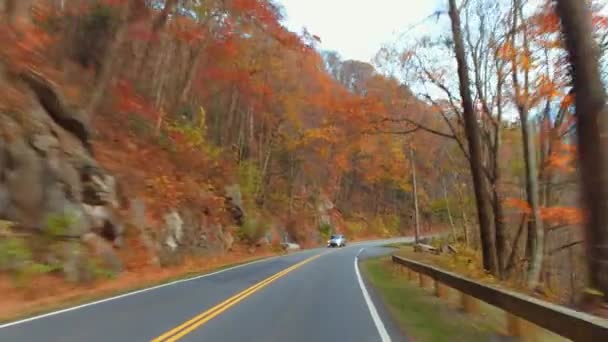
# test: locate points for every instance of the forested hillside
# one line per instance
(141, 134)
(138, 134)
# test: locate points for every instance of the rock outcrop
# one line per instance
(50, 183)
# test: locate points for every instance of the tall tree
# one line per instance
(535, 241)
(484, 211)
(592, 132)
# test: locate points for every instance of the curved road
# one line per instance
(313, 295)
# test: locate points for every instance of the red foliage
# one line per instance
(127, 101)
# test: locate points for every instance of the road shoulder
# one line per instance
(395, 330)
(415, 313)
(94, 296)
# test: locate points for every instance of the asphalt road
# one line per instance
(315, 295)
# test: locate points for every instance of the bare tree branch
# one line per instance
(418, 126)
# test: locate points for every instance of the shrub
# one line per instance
(250, 180)
(139, 125)
(252, 230)
(58, 224)
(16, 258)
(354, 228)
(325, 230)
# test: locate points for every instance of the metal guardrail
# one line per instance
(568, 323)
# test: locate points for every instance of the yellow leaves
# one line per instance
(324, 151)
(404, 185)
(202, 119)
(525, 61)
(326, 134)
(396, 149)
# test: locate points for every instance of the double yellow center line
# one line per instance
(194, 323)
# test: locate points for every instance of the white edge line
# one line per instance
(53, 313)
(384, 336)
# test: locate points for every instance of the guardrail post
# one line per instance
(468, 303)
(411, 275)
(514, 325)
(440, 290)
(422, 280)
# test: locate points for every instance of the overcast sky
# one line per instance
(356, 28)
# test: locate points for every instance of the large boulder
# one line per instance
(290, 246)
(234, 203)
(104, 250)
(50, 183)
(226, 238)
(174, 230)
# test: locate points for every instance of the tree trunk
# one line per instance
(157, 24)
(536, 232)
(535, 236)
(592, 131)
(484, 214)
(15, 10)
(416, 218)
(105, 75)
(191, 73)
(499, 224)
(465, 228)
(497, 199)
(447, 207)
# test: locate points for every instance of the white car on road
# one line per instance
(336, 240)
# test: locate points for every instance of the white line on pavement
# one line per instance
(6, 325)
(384, 336)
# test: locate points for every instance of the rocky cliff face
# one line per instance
(50, 184)
(69, 210)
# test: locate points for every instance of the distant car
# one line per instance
(336, 240)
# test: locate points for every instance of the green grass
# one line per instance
(420, 315)
(398, 244)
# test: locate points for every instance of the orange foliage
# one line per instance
(563, 158)
(519, 204)
(563, 215)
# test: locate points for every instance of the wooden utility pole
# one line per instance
(416, 217)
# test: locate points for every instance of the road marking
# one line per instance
(6, 325)
(197, 321)
(360, 251)
(384, 336)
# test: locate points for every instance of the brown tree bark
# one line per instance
(484, 211)
(15, 10)
(449, 211)
(592, 131)
(109, 60)
(535, 238)
(157, 24)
